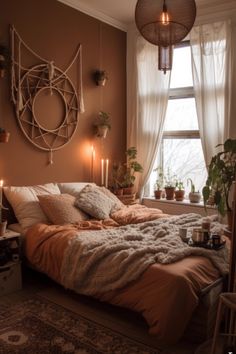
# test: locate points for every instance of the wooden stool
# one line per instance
(227, 302)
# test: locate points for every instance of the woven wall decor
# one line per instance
(46, 101)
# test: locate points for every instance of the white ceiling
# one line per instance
(120, 13)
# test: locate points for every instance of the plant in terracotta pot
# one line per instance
(4, 136)
(170, 184)
(194, 197)
(179, 191)
(100, 77)
(159, 183)
(131, 167)
(221, 175)
(102, 124)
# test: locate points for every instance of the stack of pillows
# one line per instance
(61, 203)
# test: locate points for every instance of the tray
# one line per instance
(208, 245)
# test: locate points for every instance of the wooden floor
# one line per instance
(116, 318)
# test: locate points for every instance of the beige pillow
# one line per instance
(25, 203)
(94, 202)
(73, 188)
(118, 204)
(60, 209)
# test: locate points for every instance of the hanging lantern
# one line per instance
(165, 23)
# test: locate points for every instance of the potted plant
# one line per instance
(179, 192)
(130, 168)
(100, 77)
(170, 184)
(159, 183)
(194, 197)
(221, 174)
(102, 125)
(4, 136)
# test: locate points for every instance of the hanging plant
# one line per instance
(102, 124)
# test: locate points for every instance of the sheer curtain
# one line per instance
(211, 64)
(148, 108)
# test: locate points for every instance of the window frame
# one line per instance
(180, 93)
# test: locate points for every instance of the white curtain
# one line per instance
(146, 114)
(211, 64)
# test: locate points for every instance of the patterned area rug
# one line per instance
(38, 326)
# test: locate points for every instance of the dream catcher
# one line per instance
(46, 101)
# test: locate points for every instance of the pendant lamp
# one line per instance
(165, 23)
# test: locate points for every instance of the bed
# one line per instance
(128, 256)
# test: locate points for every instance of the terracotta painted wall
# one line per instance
(54, 30)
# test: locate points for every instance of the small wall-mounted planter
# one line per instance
(102, 131)
(100, 77)
(4, 137)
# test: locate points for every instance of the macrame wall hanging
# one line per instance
(46, 101)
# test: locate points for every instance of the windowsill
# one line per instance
(184, 202)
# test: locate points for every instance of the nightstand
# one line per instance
(10, 262)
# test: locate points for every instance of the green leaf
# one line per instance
(221, 207)
(217, 197)
(206, 194)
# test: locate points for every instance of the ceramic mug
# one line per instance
(198, 235)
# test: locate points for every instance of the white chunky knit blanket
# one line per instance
(99, 261)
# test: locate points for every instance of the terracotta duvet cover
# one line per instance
(165, 294)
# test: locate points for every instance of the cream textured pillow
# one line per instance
(60, 209)
(94, 202)
(25, 203)
(118, 204)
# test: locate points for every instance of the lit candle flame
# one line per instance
(1, 183)
(165, 19)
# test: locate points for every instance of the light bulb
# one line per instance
(165, 19)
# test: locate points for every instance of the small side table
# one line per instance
(10, 262)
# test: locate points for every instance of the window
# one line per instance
(181, 150)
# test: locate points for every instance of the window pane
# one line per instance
(184, 158)
(181, 115)
(181, 75)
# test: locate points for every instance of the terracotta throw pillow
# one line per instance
(60, 209)
(95, 202)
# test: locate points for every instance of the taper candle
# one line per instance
(107, 167)
(92, 163)
(102, 172)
